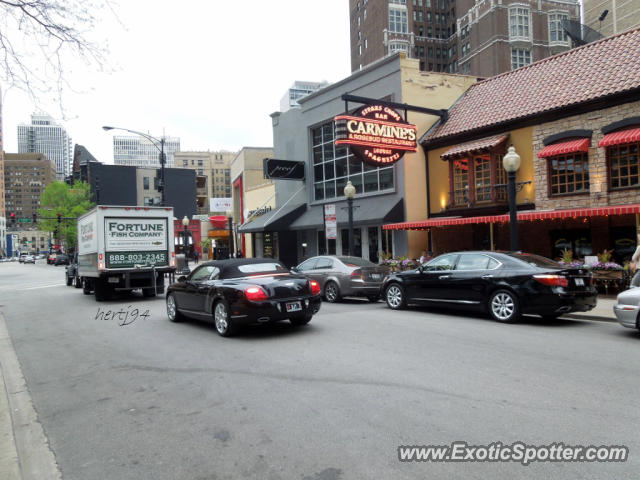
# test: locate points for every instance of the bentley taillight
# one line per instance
(552, 280)
(255, 294)
(315, 287)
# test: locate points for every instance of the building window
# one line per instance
(148, 201)
(461, 181)
(199, 162)
(482, 177)
(519, 23)
(185, 163)
(624, 167)
(557, 34)
(520, 57)
(398, 22)
(333, 166)
(569, 174)
(145, 182)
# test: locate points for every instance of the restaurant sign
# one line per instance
(376, 134)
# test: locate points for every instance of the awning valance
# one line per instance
(617, 138)
(572, 146)
(522, 216)
(475, 147)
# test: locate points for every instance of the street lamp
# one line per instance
(511, 163)
(185, 236)
(350, 192)
(230, 217)
(153, 141)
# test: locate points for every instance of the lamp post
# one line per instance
(185, 237)
(230, 218)
(511, 163)
(162, 158)
(350, 192)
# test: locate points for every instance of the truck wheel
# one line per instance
(148, 292)
(102, 290)
(77, 282)
(69, 280)
(86, 285)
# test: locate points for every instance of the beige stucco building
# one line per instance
(622, 15)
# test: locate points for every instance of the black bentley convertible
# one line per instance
(243, 291)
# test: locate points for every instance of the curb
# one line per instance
(596, 318)
(26, 453)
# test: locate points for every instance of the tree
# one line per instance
(70, 203)
(37, 37)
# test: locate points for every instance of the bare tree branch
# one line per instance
(38, 38)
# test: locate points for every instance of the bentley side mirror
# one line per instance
(295, 269)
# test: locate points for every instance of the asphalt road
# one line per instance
(332, 400)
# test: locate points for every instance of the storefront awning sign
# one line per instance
(376, 134)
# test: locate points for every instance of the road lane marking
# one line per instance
(46, 286)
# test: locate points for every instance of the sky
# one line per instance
(207, 71)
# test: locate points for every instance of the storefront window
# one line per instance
(333, 166)
(482, 174)
(357, 242)
(373, 235)
(461, 181)
(624, 169)
(569, 173)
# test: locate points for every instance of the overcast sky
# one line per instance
(207, 71)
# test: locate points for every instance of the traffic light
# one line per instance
(13, 219)
(59, 218)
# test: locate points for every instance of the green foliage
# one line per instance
(70, 202)
(567, 256)
(605, 256)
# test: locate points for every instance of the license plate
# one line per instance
(376, 276)
(113, 280)
(580, 282)
(293, 307)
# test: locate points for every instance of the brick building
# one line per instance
(574, 120)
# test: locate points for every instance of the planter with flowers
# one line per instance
(398, 264)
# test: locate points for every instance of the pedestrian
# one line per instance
(635, 281)
(195, 256)
(239, 254)
(423, 257)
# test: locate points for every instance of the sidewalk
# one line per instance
(602, 312)
(24, 450)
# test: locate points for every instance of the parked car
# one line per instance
(243, 291)
(627, 308)
(341, 276)
(505, 284)
(71, 273)
(51, 258)
(61, 259)
(22, 257)
(29, 259)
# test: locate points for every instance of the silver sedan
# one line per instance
(627, 308)
(342, 276)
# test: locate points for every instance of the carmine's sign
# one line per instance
(378, 135)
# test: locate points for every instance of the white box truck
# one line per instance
(124, 249)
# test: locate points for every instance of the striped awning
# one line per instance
(581, 145)
(522, 216)
(617, 138)
(477, 146)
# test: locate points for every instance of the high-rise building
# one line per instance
(3, 221)
(298, 90)
(139, 151)
(212, 174)
(45, 136)
(620, 15)
(26, 177)
(475, 37)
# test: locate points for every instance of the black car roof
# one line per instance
(229, 268)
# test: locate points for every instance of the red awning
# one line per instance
(522, 216)
(581, 145)
(219, 221)
(477, 146)
(618, 138)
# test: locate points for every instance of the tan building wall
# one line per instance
(147, 196)
(256, 198)
(33, 241)
(599, 192)
(432, 90)
(26, 177)
(623, 15)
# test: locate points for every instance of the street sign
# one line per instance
(24, 220)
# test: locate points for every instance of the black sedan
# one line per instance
(504, 284)
(243, 291)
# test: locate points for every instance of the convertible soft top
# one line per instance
(243, 267)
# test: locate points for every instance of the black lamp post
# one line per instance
(162, 157)
(231, 246)
(511, 163)
(185, 240)
(350, 192)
